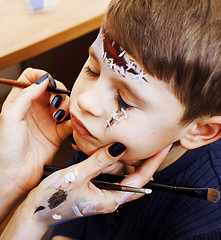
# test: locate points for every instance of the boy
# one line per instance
(153, 78)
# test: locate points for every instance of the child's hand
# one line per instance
(29, 133)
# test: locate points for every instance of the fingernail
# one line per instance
(56, 101)
(42, 78)
(52, 81)
(116, 149)
(59, 115)
(172, 146)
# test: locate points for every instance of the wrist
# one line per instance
(24, 224)
(11, 194)
(10, 185)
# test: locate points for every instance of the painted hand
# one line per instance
(69, 193)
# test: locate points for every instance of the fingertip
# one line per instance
(52, 82)
(116, 149)
(42, 79)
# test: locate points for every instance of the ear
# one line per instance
(202, 132)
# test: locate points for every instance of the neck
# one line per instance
(177, 152)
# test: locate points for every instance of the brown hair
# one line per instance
(179, 42)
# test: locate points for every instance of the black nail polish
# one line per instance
(52, 82)
(42, 78)
(116, 149)
(172, 146)
(56, 101)
(59, 115)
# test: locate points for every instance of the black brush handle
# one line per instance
(188, 191)
(59, 91)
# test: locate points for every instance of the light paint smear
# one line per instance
(87, 207)
(77, 211)
(57, 216)
(69, 177)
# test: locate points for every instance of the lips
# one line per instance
(79, 127)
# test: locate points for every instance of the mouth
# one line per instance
(79, 127)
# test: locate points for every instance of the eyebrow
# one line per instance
(124, 84)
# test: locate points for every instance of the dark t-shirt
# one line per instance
(163, 215)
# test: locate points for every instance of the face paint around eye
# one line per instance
(116, 117)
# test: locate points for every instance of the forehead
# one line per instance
(118, 60)
(131, 73)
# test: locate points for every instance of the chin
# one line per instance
(88, 150)
(135, 163)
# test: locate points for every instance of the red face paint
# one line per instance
(113, 50)
(115, 56)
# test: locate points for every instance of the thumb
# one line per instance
(101, 159)
(145, 172)
(22, 103)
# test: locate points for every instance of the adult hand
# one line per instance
(69, 193)
(29, 133)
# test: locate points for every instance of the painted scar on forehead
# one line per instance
(117, 59)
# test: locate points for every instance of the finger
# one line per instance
(64, 129)
(142, 175)
(100, 160)
(29, 75)
(62, 112)
(117, 168)
(59, 107)
(25, 99)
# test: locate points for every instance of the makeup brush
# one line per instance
(24, 85)
(106, 181)
(117, 187)
(209, 194)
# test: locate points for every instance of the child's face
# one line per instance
(143, 114)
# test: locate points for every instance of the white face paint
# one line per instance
(153, 111)
(75, 172)
(71, 177)
(116, 117)
(77, 211)
(85, 208)
(56, 216)
(118, 60)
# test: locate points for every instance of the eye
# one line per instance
(122, 104)
(90, 72)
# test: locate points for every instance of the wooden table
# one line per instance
(24, 35)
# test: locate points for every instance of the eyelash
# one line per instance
(90, 72)
(121, 103)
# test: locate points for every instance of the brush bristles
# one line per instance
(213, 195)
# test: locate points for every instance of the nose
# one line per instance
(91, 102)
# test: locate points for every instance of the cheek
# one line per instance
(144, 139)
(133, 137)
